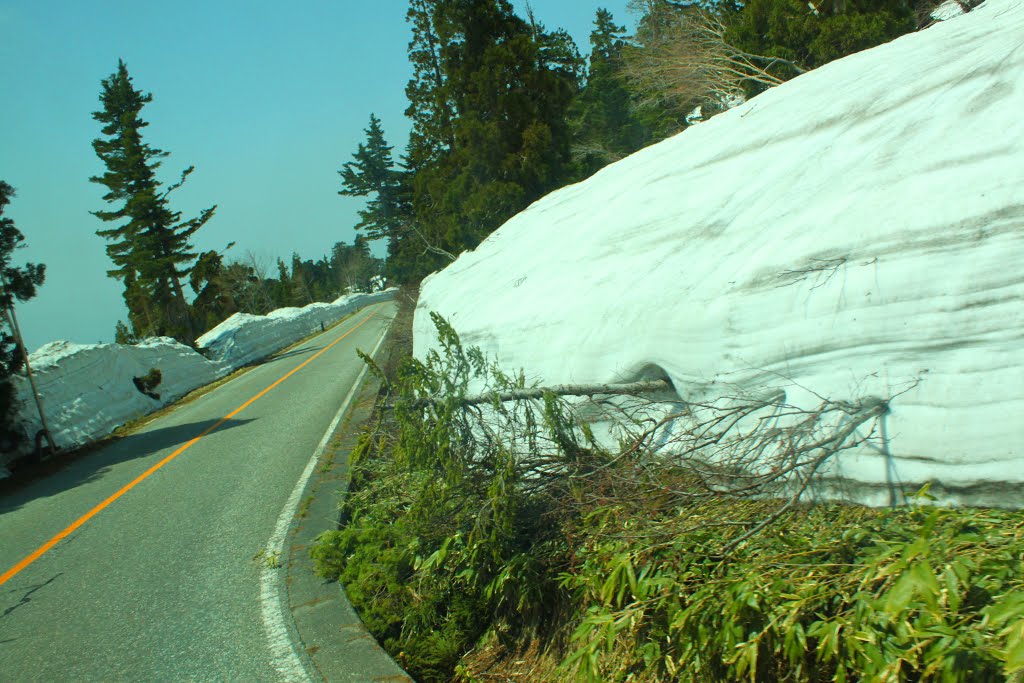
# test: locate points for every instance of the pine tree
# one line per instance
(488, 102)
(123, 335)
(150, 246)
(301, 292)
(430, 108)
(281, 291)
(605, 128)
(248, 287)
(214, 301)
(372, 172)
(17, 283)
(353, 266)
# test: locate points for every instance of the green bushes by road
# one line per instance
(501, 540)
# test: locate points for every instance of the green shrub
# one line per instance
(842, 593)
(489, 527)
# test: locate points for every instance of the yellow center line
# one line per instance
(41, 550)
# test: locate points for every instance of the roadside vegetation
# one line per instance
(495, 540)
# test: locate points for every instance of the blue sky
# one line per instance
(266, 99)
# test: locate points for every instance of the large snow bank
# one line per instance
(858, 231)
(88, 389)
(243, 338)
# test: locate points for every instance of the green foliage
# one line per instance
(270, 560)
(150, 246)
(17, 283)
(214, 301)
(484, 526)
(786, 29)
(488, 101)
(372, 174)
(605, 127)
(123, 335)
(352, 267)
(444, 536)
(841, 594)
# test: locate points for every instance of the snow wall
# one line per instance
(857, 231)
(243, 338)
(88, 389)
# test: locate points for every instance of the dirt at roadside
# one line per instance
(399, 344)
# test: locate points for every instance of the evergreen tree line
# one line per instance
(223, 287)
(149, 243)
(504, 110)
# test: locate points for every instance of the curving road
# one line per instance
(161, 584)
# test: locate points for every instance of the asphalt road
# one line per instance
(161, 584)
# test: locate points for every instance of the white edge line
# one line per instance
(286, 659)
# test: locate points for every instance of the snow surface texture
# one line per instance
(243, 338)
(88, 389)
(858, 231)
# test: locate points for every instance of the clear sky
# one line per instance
(266, 99)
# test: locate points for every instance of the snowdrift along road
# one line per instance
(857, 231)
(88, 389)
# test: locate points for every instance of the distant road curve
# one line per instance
(136, 563)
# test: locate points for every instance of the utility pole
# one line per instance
(12, 320)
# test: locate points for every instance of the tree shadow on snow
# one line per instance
(66, 471)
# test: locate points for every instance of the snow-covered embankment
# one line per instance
(88, 389)
(855, 232)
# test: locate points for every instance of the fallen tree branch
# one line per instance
(630, 388)
(829, 447)
(431, 248)
(687, 60)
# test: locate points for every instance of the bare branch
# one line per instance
(430, 247)
(631, 388)
(687, 60)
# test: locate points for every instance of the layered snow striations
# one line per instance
(856, 232)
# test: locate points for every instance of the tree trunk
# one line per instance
(642, 387)
(12, 320)
(190, 339)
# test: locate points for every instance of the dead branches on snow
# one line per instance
(743, 447)
(631, 388)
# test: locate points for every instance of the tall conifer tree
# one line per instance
(371, 173)
(19, 283)
(430, 108)
(488, 102)
(605, 128)
(149, 246)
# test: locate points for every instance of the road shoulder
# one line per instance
(330, 632)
